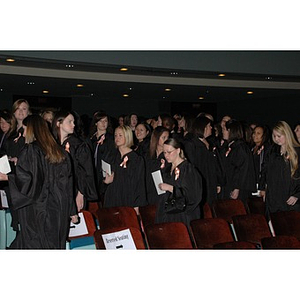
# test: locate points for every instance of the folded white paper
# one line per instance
(4, 165)
(119, 240)
(106, 169)
(157, 178)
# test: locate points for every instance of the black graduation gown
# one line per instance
(128, 186)
(12, 147)
(103, 149)
(142, 148)
(239, 171)
(258, 159)
(83, 167)
(188, 188)
(152, 165)
(42, 196)
(205, 162)
(276, 175)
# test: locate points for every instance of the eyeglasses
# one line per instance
(169, 152)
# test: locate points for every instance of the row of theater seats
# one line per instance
(228, 224)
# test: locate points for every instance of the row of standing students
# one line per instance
(196, 168)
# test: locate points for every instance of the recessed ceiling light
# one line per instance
(45, 92)
(1, 90)
(124, 69)
(10, 60)
(69, 66)
(249, 92)
(201, 98)
(221, 75)
(168, 90)
(79, 85)
(30, 83)
(125, 95)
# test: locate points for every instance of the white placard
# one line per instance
(106, 169)
(4, 165)
(119, 240)
(157, 178)
(4, 202)
(78, 229)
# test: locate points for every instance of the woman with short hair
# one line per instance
(126, 184)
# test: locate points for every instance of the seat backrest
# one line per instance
(112, 217)
(206, 211)
(280, 242)
(235, 245)
(251, 228)
(227, 208)
(147, 215)
(286, 223)
(256, 205)
(208, 232)
(135, 233)
(90, 225)
(173, 235)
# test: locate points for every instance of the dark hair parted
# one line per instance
(199, 126)
(176, 145)
(37, 130)
(235, 130)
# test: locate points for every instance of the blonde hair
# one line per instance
(18, 102)
(127, 134)
(284, 129)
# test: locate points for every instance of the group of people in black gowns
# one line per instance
(59, 165)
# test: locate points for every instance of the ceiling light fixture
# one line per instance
(221, 75)
(10, 60)
(249, 92)
(69, 66)
(124, 69)
(168, 90)
(125, 95)
(45, 92)
(201, 98)
(80, 85)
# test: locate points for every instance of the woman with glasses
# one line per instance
(183, 186)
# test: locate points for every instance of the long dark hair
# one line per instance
(157, 132)
(38, 130)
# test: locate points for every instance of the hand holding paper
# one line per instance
(157, 178)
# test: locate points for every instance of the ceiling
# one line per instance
(45, 74)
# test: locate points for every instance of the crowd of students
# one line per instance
(57, 167)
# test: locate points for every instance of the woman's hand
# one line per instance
(14, 160)
(109, 178)
(292, 200)
(234, 194)
(79, 201)
(74, 219)
(3, 177)
(166, 187)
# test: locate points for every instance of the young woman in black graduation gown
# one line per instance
(142, 133)
(260, 148)
(238, 164)
(103, 146)
(81, 157)
(198, 152)
(155, 160)
(281, 172)
(183, 185)
(126, 184)
(41, 190)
